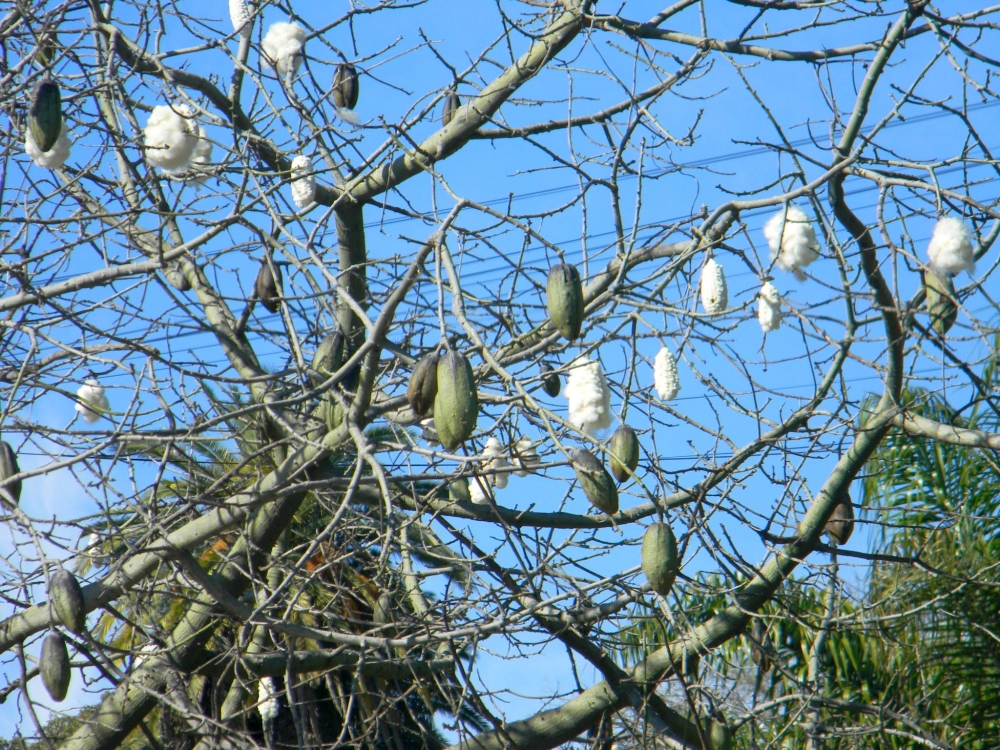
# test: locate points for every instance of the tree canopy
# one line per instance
(356, 357)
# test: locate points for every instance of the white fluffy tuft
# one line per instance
(239, 14)
(55, 157)
(769, 308)
(589, 396)
(92, 401)
(525, 455)
(171, 139)
(792, 240)
(303, 181)
(282, 46)
(201, 159)
(349, 116)
(480, 490)
(714, 292)
(951, 250)
(665, 377)
(267, 699)
(495, 460)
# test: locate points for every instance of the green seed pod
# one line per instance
(67, 600)
(422, 388)
(328, 358)
(176, 278)
(759, 633)
(459, 492)
(551, 383)
(720, 736)
(8, 468)
(941, 304)
(45, 115)
(624, 447)
(597, 484)
(54, 666)
(451, 104)
(841, 524)
(333, 412)
(46, 51)
(382, 613)
(565, 300)
(660, 562)
(267, 287)
(456, 405)
(345, 86)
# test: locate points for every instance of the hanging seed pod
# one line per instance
(382, 612)
(328, 358)
(54, 666)
(176, 278)
(458, 491)
(45, 115)
(8, 468)
(422, 388)
(46, 51)
(757, 650)
(841, 524)
(660, 562)
(714, 292)
(267, 287)
(451, 104)
(941, 305)
(456, 405)
(551, 383)
(597, 484)
(66, 597)
(565, 300)
(345, 86)
(624, 451)
(720, 736)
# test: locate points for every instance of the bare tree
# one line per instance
(295, 300)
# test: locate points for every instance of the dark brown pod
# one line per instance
(66, 597)
(551, 383)
(45, 115)
(345, 86)
(267, 287)
(422, 388)
(451, 104)
(8, 468)
(841, 524)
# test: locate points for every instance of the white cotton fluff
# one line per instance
(796, 246)
(494, 460)
(714, 292)
(55, 157)
(283, 46)
(201, 159)
(479, 490)
(588, 395)
(170, 138)
(93, 401)
(267, 699)
(239, 14)
(349, 116)
(951, 250)
(526, 455)
(769, 308)
(665, 376)
(303, 181)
